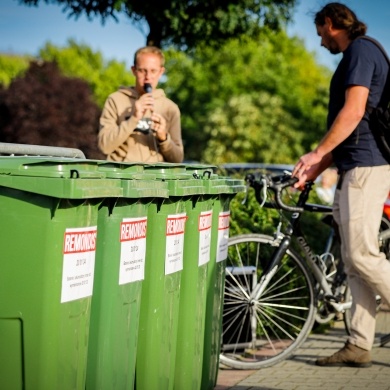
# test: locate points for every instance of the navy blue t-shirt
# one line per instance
(362, 64)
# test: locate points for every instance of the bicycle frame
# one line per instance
(312, 261)
(293, 230)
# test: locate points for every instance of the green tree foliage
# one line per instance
(186, 23)
(10, 67)
(79, 60)
(45, 108)
(270, 88)
(255, 128)
(248, 217)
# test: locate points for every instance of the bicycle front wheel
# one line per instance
(263, 324)
(382, 323)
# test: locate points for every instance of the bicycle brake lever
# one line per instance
(246, 194)
(248, 183)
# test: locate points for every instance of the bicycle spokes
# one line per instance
(263, 318)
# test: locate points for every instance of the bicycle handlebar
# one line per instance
(278, 190)
(276, 184)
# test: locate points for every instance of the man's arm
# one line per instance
(345, 123)
(111, 135)
(347, 119)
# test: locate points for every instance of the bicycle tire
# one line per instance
(260, 333)
(382, 323)
(385, 222)
(384, 242)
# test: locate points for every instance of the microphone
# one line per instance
(148, 88)
(147, 116)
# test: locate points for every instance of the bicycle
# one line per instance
(332, 264)
(273, 292)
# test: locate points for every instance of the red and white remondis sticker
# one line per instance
(133, 250)
(223, 235)
(78, 263)
(175, 228)
(205, 222)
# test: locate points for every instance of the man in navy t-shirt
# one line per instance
(363, 64)
(364, 172)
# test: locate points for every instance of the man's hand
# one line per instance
(307, 168)
(159, 126)
(143, 106)
(310, 166)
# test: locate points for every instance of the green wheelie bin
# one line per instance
(159, 315)
(119, 272)
(225, 189)
(48, 235)
(193, 290)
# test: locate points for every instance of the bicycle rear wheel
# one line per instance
(261, 332)
(384, 242)
(382, 324)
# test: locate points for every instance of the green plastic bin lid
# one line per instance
(135, 181)
(49, 167)
(57, 177)
(168, 171)
(203, 171)
(225, 185)
(122, 170)
(214, 183)
(180, 181)
(186, 187)
(235, 185)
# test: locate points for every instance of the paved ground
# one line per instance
(300, 373)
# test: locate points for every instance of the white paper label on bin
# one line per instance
(223, 235)
(78, 263)
(175, 229)
(133, 250)
(204, 226)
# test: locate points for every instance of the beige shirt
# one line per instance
(118, 140)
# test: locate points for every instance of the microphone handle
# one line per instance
(148, 89)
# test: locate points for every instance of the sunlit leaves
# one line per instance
(79, 60)
(10, 67)
(252, 128)
(270, 83)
